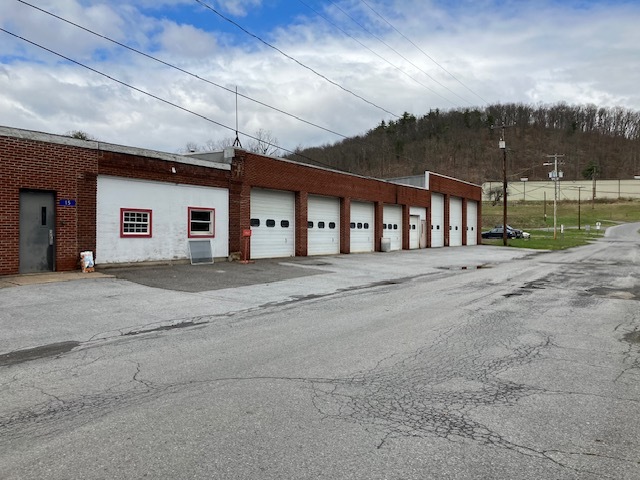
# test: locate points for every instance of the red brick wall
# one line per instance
(145, 168)
(264, 172)
(69, 172)
(456, 188)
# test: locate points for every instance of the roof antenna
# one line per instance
(236, 142)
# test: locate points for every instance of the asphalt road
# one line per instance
(413, 365)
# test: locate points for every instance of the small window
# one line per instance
(135, 223)
(456, 227)
(271, 223)
(472, 229)
(255, 222)
(438, 227)
(320, 224)
(395, 226)
(352, 225)
(384, 226)
(432, 227)
(309, 224)
(366, 226)
(284, 223)
(332, 225)
(359, 225)
(201, 222)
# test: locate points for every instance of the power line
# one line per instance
(372, 51)
(162, 99)
(423, 52)
(183, 71)
(356, 140)
(209, 7)
(400, 55)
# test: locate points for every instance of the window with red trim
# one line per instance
(135, 222)
(202, 222)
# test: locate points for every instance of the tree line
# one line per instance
(463, 143)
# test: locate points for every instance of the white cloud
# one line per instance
(531, 52)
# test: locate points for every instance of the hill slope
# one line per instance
(462, 144)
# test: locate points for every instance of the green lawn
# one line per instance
(530, 216)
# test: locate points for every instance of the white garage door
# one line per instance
(437, 220)
(414, 231)
(472, 222)
(361, 225)
(392, 225)
(421, 215)
(323, 233)
(455, 221)
(272, 223)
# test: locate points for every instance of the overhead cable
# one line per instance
(162, 99)
(423, 52)
(373, 51)
(209, 7)
(208, 81)
(398, 53)
(184, 71)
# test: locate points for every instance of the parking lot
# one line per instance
(60, 307)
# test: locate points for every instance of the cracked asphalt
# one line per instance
(469, 363)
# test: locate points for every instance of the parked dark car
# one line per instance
(517, 231)
(497, 233)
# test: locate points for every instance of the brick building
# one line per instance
(62, 196)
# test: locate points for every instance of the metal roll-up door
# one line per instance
(361, 225)
(455, 222)
(472, 222)
(437, 220)
(272, 223)
(323, 225)
(392, 225)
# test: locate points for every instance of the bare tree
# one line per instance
(264, 143)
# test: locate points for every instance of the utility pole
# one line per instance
(579, 188)
(555, 176)
(502, 145)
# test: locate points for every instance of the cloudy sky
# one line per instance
(162, 73)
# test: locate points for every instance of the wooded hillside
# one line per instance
(462, 144)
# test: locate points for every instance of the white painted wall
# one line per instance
(169, 203)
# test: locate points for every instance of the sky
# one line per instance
(163, 74)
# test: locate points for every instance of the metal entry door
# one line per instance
(37, 231)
